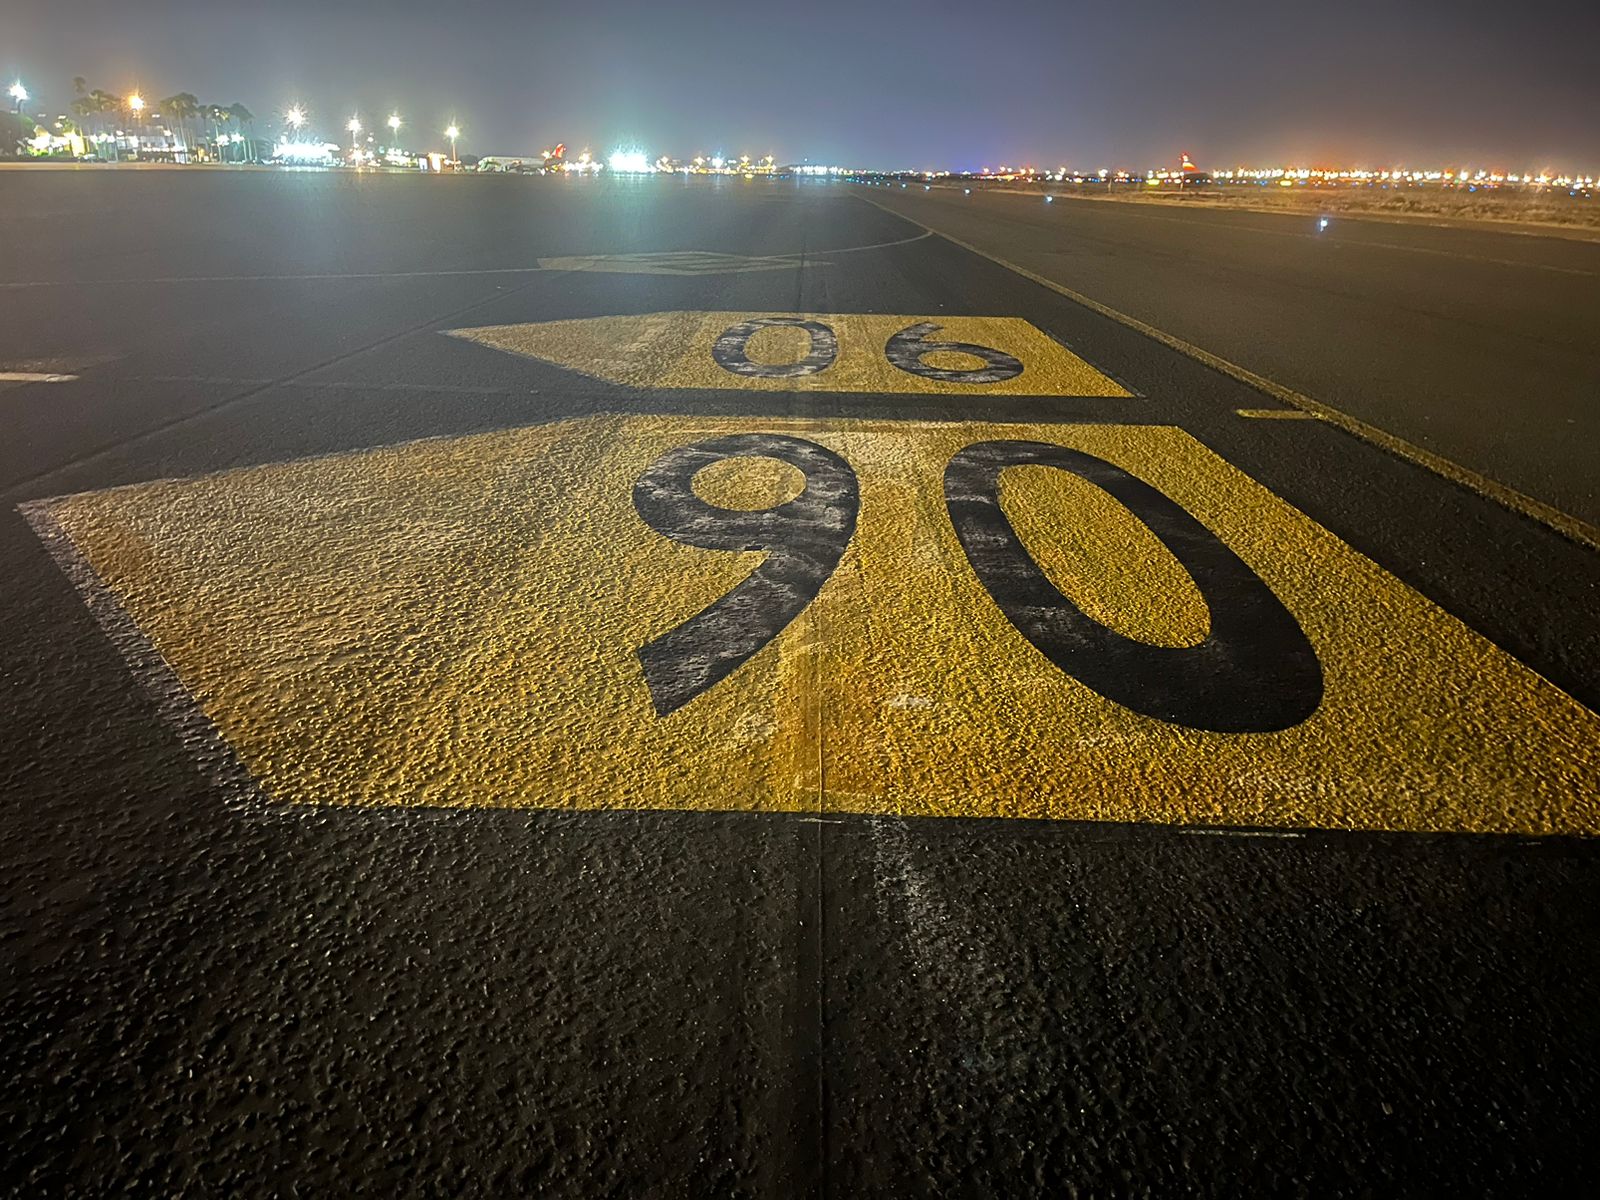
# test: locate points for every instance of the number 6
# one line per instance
(907, 348)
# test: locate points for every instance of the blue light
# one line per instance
(1322, 224)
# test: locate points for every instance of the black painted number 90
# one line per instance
(1255, 672)
(804, 539)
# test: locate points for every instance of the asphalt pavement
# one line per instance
(1475, 343)
(707, 688)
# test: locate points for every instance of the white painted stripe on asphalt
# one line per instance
(33, 377)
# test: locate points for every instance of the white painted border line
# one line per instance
(33, 377)
(177, 705)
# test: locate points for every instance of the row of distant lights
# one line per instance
(1401, 175)
(296, 118)
(630, 161)
(636, 162)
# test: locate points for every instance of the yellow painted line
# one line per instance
(460, 622)
(1275, 414)
(827, 352)
(34, 377)
(1570, 527)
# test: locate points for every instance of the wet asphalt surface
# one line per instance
(208, 996)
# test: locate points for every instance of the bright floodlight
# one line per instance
(355, 125)
(136, 102)
(18, 92)
(452, 133)
(296, 116)
(394, 122)
(629, 162)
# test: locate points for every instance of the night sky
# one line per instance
(924, 84)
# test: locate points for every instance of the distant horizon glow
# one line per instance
(1365, 83)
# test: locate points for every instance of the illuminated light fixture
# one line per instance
(718, 162)
(1049, 199)
(629, 162)
(354, 125)
(453, 132)
(393, 123)
(295, 117)
(136, 102)
(318, 154)
(18, 93)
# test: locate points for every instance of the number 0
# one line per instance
(1255, 672)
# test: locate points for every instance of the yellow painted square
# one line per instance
(455, 622)
(675, 350)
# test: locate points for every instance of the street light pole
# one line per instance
(452, 133)
(136, 107)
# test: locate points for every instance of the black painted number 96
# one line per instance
(1255, 672)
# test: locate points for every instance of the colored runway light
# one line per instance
(966, 191)
(1049, 199)
(1322, 224)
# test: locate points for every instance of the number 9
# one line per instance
(804, 539)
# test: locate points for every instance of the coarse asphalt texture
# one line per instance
(207, 993)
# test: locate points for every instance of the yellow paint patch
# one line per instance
(676, 350)
(454, 622)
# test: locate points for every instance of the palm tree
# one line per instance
(84, 107)
(246, 120)
(103, 103)
(181, 108)
(218, 116)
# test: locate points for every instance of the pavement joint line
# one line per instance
(1568, 526)
(798, 258)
